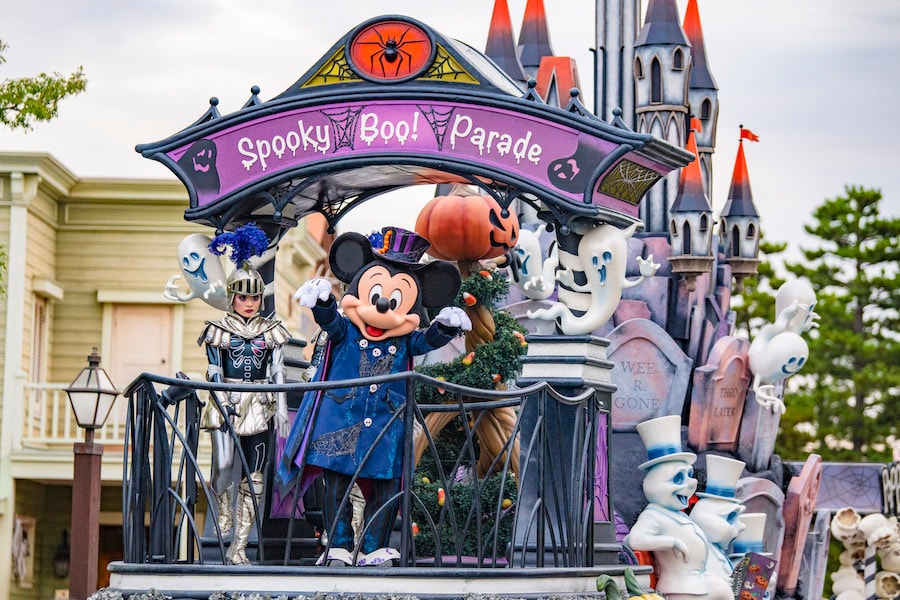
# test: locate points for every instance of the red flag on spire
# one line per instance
(746, 134)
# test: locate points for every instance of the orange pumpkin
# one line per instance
(467, 228)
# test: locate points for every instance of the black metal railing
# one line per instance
(461, 513)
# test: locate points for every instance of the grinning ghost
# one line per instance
(199, 165)
(571, 173)
(778, 351)
(536, 279)
(602, 253)
(202, 272)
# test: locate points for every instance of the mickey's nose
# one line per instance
(382, 304)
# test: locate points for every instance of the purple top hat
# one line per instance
(662, 438)
(399, 245)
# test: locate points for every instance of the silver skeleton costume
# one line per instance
(242, 351)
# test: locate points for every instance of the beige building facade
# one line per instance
(87, 260)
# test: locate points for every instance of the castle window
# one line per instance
(655, 82)
(706, 109)
(736, 241)
(751, 231)
(673, 229)
(686, 240)
(638, 68)
(678, 60)
(704, 222)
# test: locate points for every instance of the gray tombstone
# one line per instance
(763, 496)
(718, 397)
(650, 372)
(815, 556)
(759, 428)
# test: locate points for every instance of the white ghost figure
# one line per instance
(602, 253)
(778, 351)
(720, 521)
(202, 272)
(535, 278)
(782, 356)
(680, 548)
(794, 305)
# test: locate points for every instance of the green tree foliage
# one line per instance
(755, 306)
(28, 100)
(849, 389)
(496, 361)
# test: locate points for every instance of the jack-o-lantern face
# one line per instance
(761, 581)
(467, 228)
(745, 595)
(754, 568)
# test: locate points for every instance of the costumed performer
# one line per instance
(357, 433)
(242, 347)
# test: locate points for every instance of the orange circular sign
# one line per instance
(391, 50)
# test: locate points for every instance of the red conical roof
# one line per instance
(691, 196)
(740, 198)
(534, 39)
(701, 77)
(501, 43)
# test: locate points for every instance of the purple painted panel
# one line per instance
(526, 146)
(601, 471)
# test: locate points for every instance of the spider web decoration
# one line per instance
(446, 67)
(629, 182)
(344, 122)
(334, 208)
(849, 484)
(338, 443)
(438, 121)
(335, 70)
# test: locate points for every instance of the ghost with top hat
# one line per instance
(679, 546)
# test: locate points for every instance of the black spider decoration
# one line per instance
(390, 51)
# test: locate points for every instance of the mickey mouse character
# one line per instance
(360, 429)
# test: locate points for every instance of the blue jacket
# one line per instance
(335, 428)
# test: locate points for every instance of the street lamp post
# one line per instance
(92, 395)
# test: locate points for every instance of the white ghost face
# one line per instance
(670, 484)
(785, 354)
(719, 520)
(202, 270)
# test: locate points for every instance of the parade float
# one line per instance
(620, 330)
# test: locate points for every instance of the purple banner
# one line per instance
(551, 155)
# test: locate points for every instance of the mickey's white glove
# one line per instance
(453, 316)
(312, 291)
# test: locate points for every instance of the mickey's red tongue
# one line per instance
(374, 331)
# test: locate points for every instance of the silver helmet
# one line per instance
(244, 280)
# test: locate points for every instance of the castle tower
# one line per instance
(662, 66)
(703, 93)
(534, 38)
(739, 221)
(691, 223)
(617, 26)
(501, 45)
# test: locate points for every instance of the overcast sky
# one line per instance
(817, 80)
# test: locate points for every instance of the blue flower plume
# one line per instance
(245, 241)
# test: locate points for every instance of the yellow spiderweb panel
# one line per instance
(335, 70)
